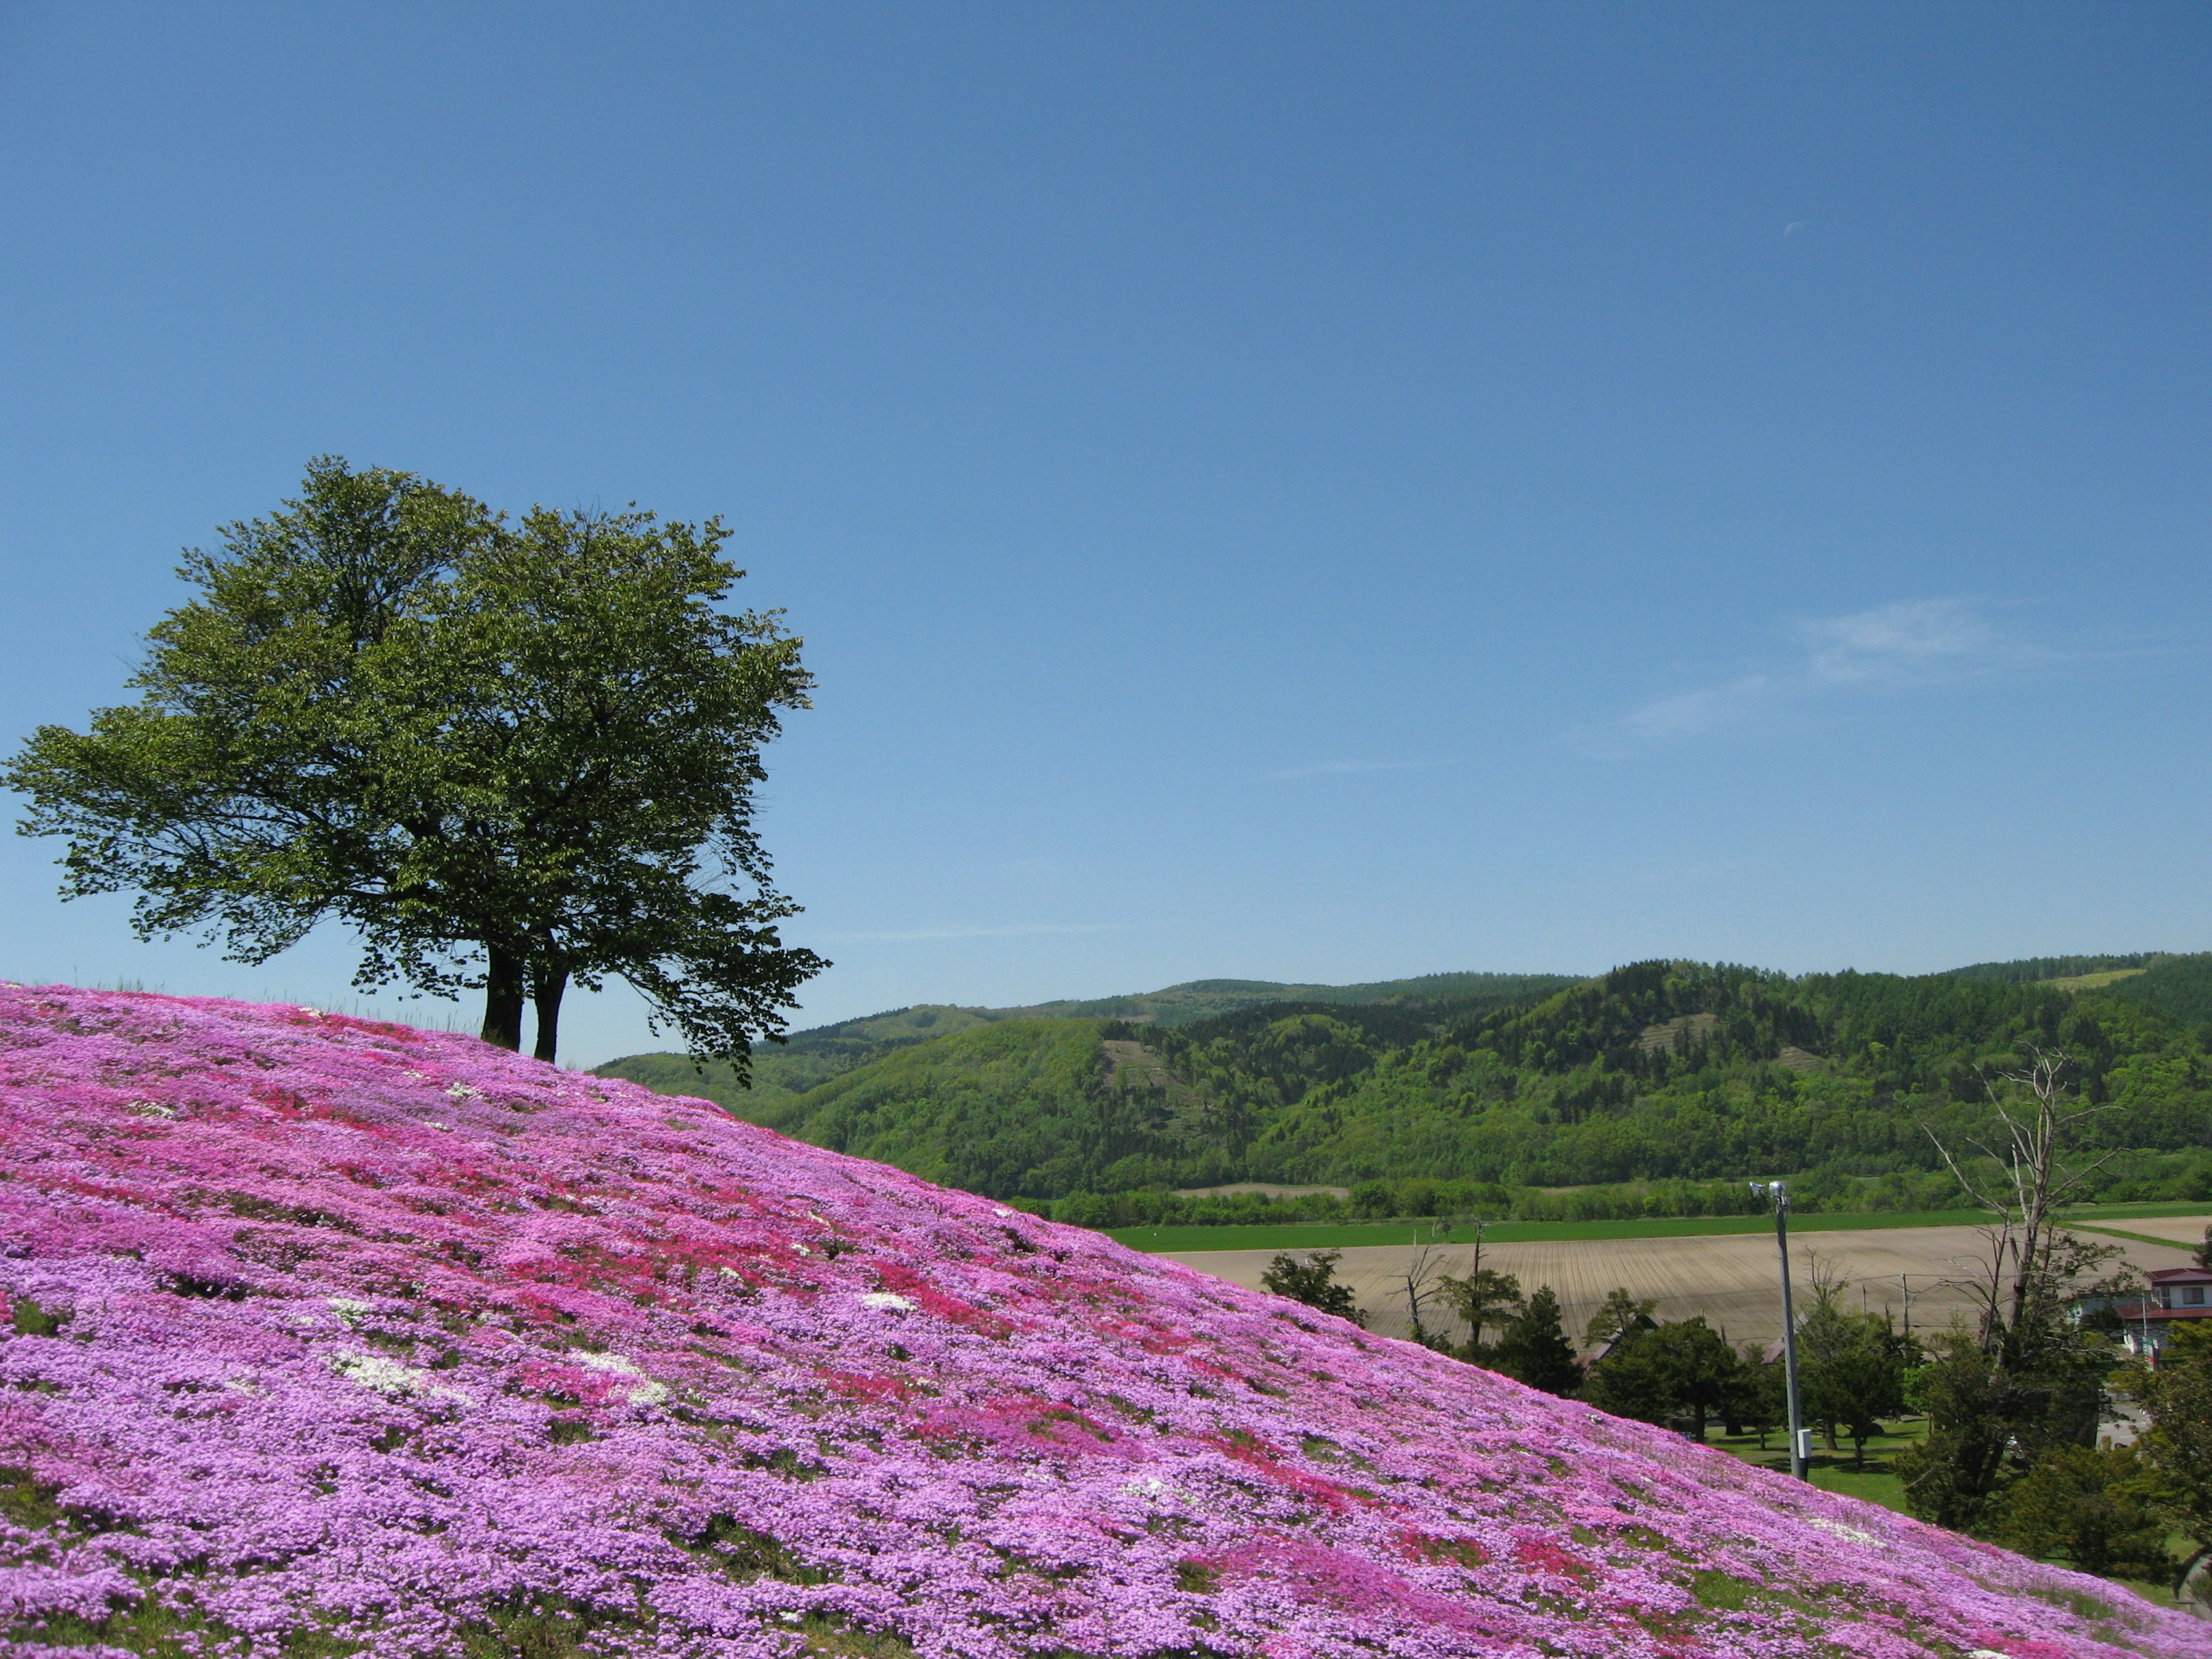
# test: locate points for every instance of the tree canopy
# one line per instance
(1314, 1282)
(1534, 1348)
(1657, 1075)
(511, 756)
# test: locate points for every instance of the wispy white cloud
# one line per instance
(1697, 711)
(1918, 642)
(1913, 645)
(1345, 768)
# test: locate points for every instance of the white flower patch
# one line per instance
(605, 1361)
(801, 1249)
(152, 1108)
(890, 1299)
(462, 1092)
(729, 1273)
(350, 1312)
(1988, 1653)
(312, 1014)
(1838, 1529)
(1002, 1212)
(373, 1371)
(647, 1392)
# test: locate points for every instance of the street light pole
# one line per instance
(1799, 1453)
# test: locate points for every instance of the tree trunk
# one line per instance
(502, 1022)
(546, 988)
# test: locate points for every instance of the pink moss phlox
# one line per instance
(335, 1330)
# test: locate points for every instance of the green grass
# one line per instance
(2092, 982)
(1836, 1471)
(1344, 1235)
(1877, 1483)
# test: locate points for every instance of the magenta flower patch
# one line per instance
(331, 1337)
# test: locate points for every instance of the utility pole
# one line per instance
(1799, 1451)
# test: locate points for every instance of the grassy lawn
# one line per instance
(1876, 1482)
(1340, 1235)
(1835, 1471)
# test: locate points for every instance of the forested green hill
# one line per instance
(812, 1058)
(2031, 970)
(2179, 987)
(1658, 1071)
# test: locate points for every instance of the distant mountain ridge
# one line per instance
(2178, 985)
(812, 1058)
(1658, 1071)
(2032, 970)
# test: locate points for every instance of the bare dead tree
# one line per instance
(1827, 1278)
(1423, 1279)
(2036, 1115)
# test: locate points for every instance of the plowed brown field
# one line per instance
(2186, 1230)
(1733, 1280)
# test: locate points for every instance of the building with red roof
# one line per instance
(2173, 1294)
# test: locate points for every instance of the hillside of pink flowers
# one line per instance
(331, 1337)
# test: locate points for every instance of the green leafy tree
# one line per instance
(1532, 1348)
(1989, 1421)
(1682, 1367)
(1952, 1477)
(1760, 1400)
(1617, 1315)
(1852, 1368)
(2177, 1397)
(2028, 1379)
(512, 757)
(1629, 1383)
(1375, 1198)
(1484, 1297)
(2096, 1509)
(1314, 1282)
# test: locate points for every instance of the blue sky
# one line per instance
(1276, 491)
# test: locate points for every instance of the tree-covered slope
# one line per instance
(1657, 1071)
(780, 1071)
(337, 1339)
(1013, 1106)
(1680, 1070)
(2179, 987)
(2035, 970)
(1207, 998)
(812, 1058)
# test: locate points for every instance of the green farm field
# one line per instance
(1338, 1235)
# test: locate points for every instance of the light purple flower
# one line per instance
(391, 1335)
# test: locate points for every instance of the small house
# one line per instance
(2173, 1294)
